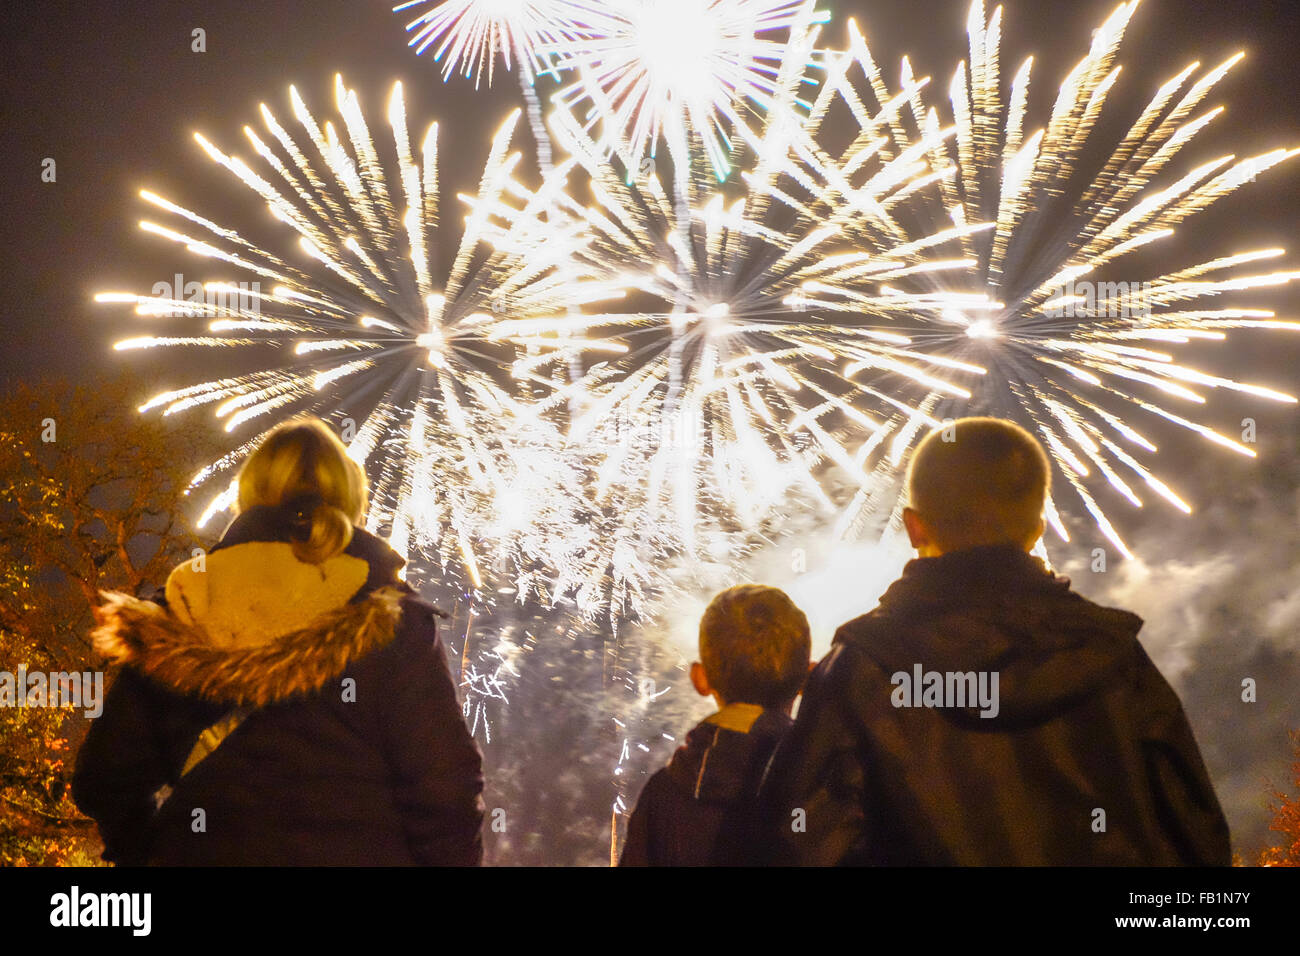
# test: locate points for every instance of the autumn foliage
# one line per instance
(92, 496)
(1286, 819)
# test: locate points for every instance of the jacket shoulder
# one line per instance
(857, 647)
(419, 615)
(415, 629)
(862, 633)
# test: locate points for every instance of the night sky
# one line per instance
(112, 92)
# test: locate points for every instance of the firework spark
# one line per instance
(757, 346)
(685, 71)
(1086, 363)
(363, 331)
(470, 34)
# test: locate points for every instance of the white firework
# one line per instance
(467, 36)
(364, 323)
(755, 361)
(682, 71)
(1080, 342)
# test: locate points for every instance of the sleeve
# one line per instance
(813, 794)
(636, 850)
(119, 768)
(437, 768)
(1185, 802)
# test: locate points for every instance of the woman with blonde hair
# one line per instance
(287, 701)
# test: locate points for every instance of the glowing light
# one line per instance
(470, 34)
(353, 309)
(681, 68)
(1073, 352)
(762, 349)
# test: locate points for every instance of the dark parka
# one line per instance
(1085, 725)
(699, 810)
(352, 749)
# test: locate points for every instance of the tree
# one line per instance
(1286, 819)
(92, 497)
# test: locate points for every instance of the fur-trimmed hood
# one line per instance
(183, 656)
(248, 624)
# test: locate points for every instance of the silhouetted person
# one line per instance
(289, 701)
(698, 810)
(984, 713)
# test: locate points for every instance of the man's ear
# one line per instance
(916, 532)
(700, 680)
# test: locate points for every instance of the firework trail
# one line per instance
(486, 676)
(684, 71)
(755, 347)
(373, 327)
(468, 35)
(1088, 364)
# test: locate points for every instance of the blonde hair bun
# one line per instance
(303, 464)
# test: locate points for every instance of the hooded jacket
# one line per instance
(348, 745)
(698, 810)
(1079, 754)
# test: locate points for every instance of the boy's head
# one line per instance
(973, 482)
(754, 648)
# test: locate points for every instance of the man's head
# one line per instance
(754, 648)
(973, 482)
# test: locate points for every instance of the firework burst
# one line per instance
(756, 347)
(365, 328)
(682, 71)
(468, 35)
(1088, 364)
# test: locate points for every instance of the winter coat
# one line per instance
(1086, 759)
(351, 750)
(698, 810)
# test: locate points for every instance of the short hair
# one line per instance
(755, 645)
(979, 481)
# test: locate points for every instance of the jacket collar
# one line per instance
(285, 523)
(252, 625)
(737, 717)
(183, 657)
(992, 572)
(998, 610)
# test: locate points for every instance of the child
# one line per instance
(984, 713)
(697, 811)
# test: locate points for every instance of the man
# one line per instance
(984, 713)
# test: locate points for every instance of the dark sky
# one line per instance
(112, 92)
